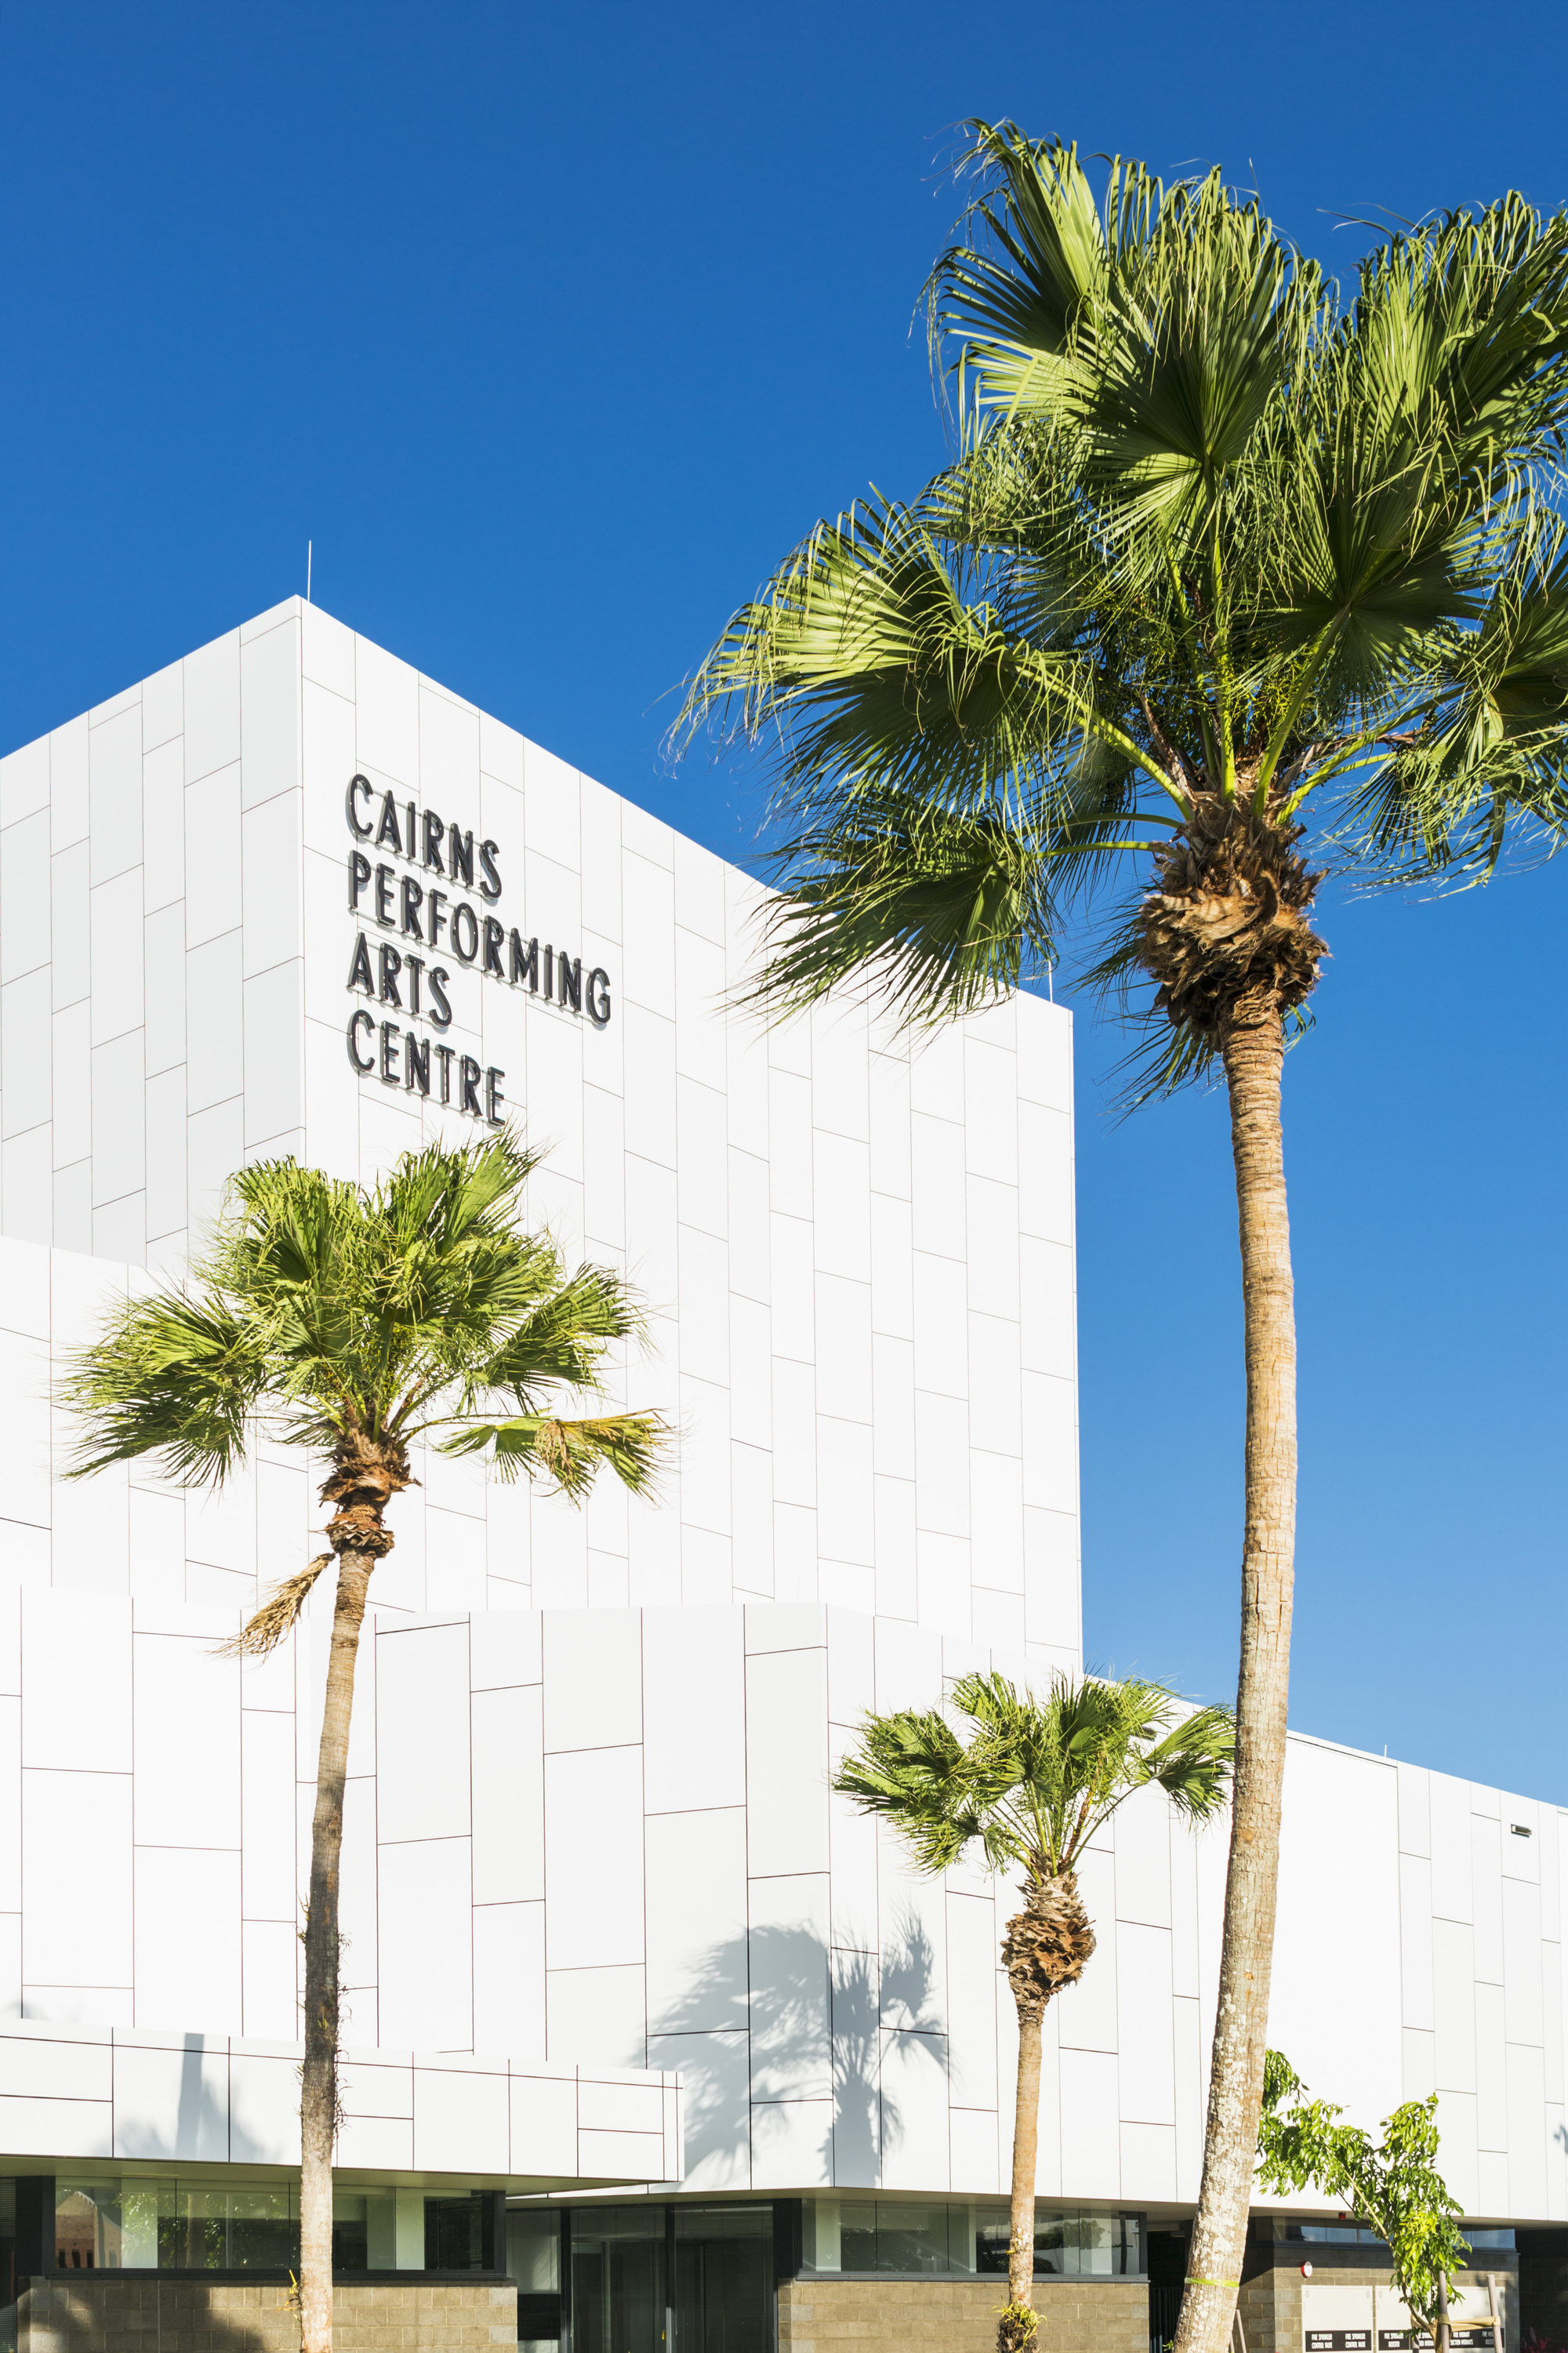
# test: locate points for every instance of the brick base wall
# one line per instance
(958, 2315)
(102, 2313)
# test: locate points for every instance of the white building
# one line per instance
(291, 896)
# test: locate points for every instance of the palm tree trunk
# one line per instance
(1253, 1056)
(1026, 2158)
(318, 2079)
(1047, 1946)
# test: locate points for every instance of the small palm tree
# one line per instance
(1223, 564)
(1031, 1785)
(352, 1321)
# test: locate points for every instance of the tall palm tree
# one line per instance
(353, 1320)
(1222, 562)
(1037, 1778)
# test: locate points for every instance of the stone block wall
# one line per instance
(816, 2316)
(103, 2313)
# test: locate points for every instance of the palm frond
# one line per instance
(562, 1340)
(169, 1376)
(912, 1769)
(1492, 748)
(934, 911)
(1009, 296)
(1041, 1773)
(881, 653)
(278, 1616)
(1193, 1763)
(570, 1452)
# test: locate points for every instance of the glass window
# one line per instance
(197, 2229)
(460, 2233)
(105, 2223)
(534, 2260)
(1066, 2245)
(533, 2247)
(884, 2234)
(1344, 2233)
(87, 2226)
(912, 2238)
(8, 2317)
(858, 2235)
(350, 2230)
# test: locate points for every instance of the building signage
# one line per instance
(1420, 2341)
(1338, 2341)
(435, 901)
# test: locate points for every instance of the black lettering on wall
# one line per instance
(469, 1099)
(444, 1056)
(429, 915)
(389, 1037)
(470, 952)
(416, 1063)
(354, 1020)
(494, 1098)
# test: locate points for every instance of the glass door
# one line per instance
(618, 2279)
(723, 2279)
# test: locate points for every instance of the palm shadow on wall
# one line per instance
(778, 2017)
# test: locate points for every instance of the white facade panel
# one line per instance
(821, 1999)
(588, 1822)
(211, 962)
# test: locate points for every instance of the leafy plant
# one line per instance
(1392, 2185)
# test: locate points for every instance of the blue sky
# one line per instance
(554, 328)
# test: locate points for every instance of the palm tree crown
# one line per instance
(1040, 1776)
(353, 1320)
(1216, 550)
